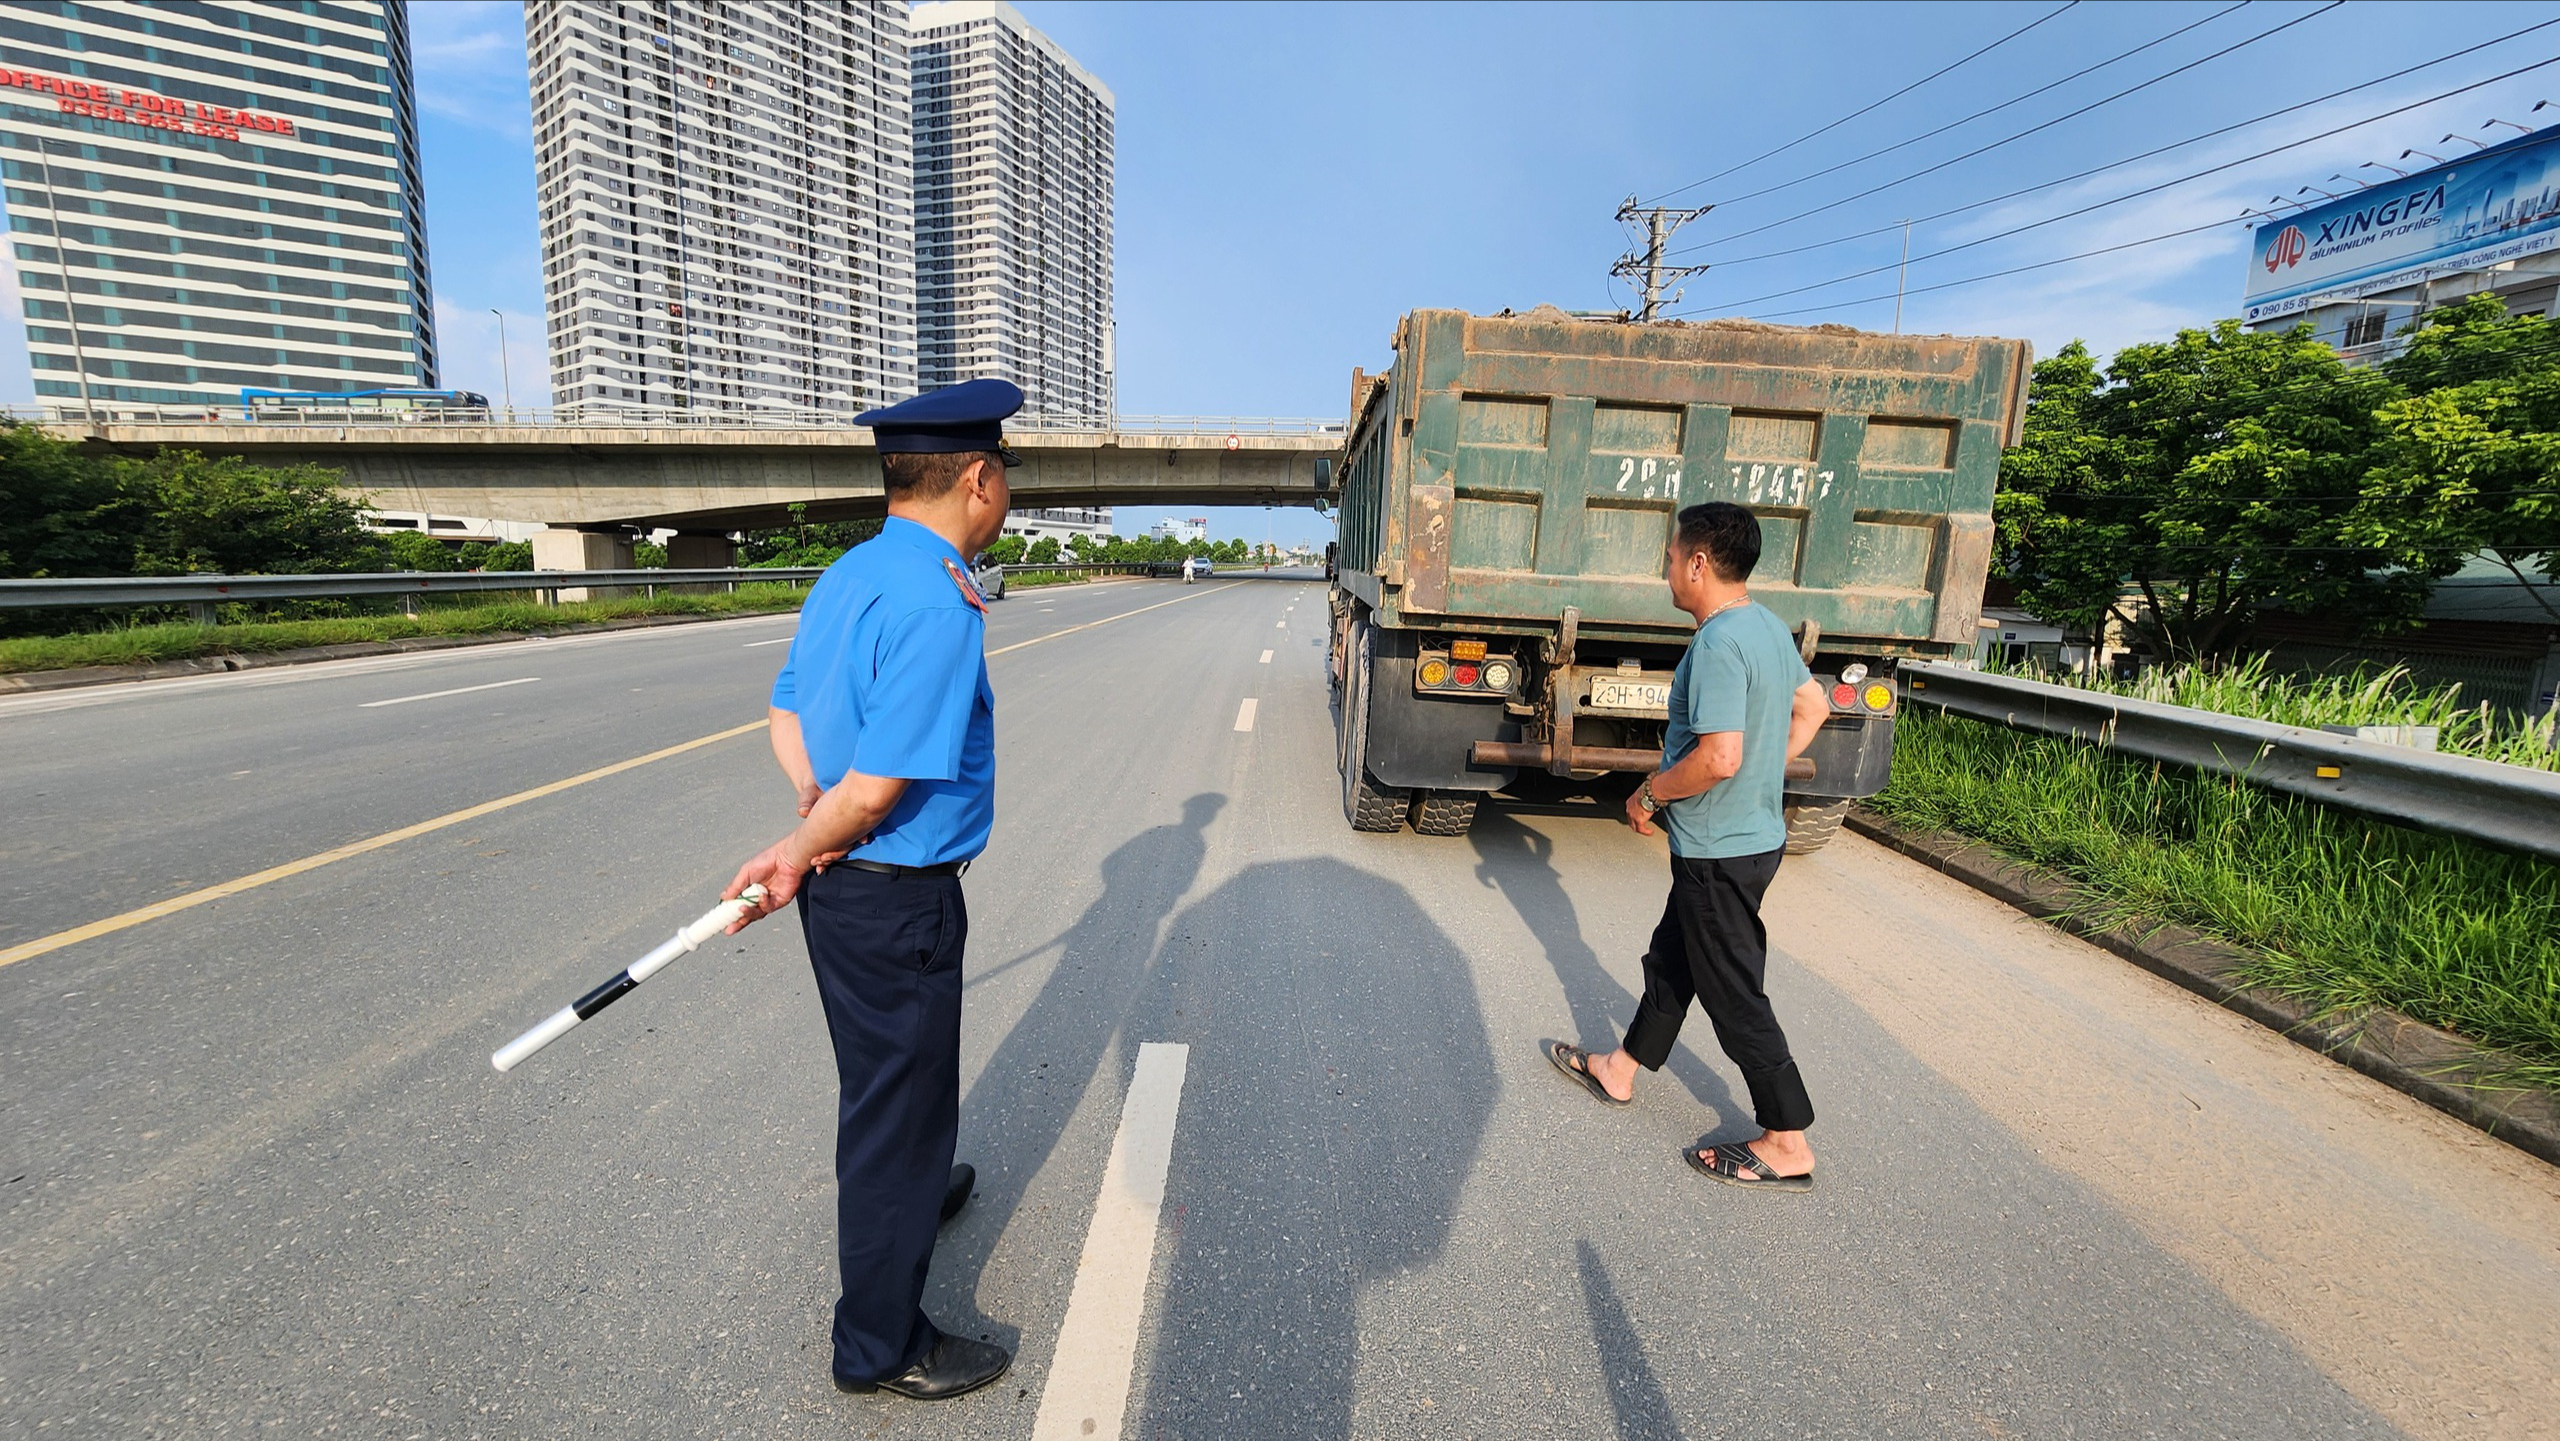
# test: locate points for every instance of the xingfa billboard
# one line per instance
(2489, 206)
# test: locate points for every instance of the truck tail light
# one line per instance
(1879, 697)
(1497, 675)
(1468, 671)
(1435, 672)
(1844, 697)
(1466, 650)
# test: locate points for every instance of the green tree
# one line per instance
(2469, 461)
(2194, 484)
(221, 513)
(802, 538)
(411, 550)
(1044, 551)
(1006, 549)
(63, 513)
(648, 555)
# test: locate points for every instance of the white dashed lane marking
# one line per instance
(457, 690)
(1244, 714)
(1087, 1394)
(1266, 658)
(777, 640)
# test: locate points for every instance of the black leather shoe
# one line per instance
(955, 1366)
(964, 1180)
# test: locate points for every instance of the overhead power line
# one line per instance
(1659, 223)
(2146, 190)
(1905, 144)
(2012, 139)
(1854, 114)
(1888, 229)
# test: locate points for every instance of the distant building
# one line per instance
(726, 200)
(2359, 268)
(228, 191)
(1186, 531)
(1060, 524)
(1014, 151)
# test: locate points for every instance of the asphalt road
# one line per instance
(256, 1176)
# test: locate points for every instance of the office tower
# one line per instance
(726, 203)
(1014, 147)
(212, 196)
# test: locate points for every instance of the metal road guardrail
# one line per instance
(2511, 807)
(203, 589)
(639, 418)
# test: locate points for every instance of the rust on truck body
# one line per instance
(1508, 468)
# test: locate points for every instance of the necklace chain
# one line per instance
(1728, 605)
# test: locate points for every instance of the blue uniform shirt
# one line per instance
(1741, 674)
(888, 675)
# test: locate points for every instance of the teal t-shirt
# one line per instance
(1741, 674)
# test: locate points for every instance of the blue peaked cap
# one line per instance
(967, 416)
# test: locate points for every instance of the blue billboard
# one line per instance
(2490, 206)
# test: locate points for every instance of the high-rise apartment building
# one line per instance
(726, 203)
(1014, 147)
(211, 196)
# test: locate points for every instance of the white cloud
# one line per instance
(468, 359)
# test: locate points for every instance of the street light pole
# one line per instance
(62, 265)
(506, 375)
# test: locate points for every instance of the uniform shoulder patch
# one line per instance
(968, 588)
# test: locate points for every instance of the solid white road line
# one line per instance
(1266, 658)
(1087, 1394)
(1244, 714)
(457, 690)
(777, 640)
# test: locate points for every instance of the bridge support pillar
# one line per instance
(592, 548)
(701, 550)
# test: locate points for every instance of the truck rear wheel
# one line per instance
(1368, 805)
(1811, 826)
(1443, 813)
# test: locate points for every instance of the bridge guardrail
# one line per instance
(2512, 807)
(635, 418)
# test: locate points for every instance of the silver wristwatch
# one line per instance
(1644, 797)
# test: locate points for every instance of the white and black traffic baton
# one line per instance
(715, 920)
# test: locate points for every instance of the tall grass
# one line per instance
(2372, 698)
(2332, 907)
(484, 614)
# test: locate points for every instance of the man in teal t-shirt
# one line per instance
(1742, 706)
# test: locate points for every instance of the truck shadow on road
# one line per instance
(1519, 863)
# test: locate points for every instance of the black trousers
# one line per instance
(1710, 947)
(887, 952)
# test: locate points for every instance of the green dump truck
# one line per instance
(1500, 619)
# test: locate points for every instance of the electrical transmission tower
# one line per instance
(1659, 224)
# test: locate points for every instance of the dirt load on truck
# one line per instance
(1508, 487)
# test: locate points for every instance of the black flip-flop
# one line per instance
(1733, 1158)
(1575, 1062)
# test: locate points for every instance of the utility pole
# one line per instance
(506, 375)
(1902, 277)
(1659, 224)
(62, 264)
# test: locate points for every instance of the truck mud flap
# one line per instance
(1424, 743)
(1852, 757)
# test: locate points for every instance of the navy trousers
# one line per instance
(887, 951)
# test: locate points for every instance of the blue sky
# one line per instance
(1294, 177)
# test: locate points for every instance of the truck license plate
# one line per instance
(1610, 693)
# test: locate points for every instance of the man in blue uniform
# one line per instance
(883, 719)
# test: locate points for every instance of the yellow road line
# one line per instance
(174, 904)
(1108, 619)
(29, 949)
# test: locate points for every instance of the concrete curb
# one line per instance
(2448, 1072)
(31, 682)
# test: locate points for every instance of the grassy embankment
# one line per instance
(2334, 907)
(484, 614)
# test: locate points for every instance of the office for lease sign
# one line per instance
(127, 106)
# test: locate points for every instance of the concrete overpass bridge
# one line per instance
(592, 476)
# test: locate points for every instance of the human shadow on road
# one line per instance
(1340, 1081)
(1635, 1393)
(1519, 863)
(1011, 1119)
